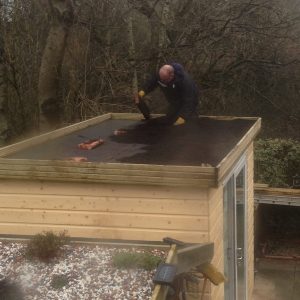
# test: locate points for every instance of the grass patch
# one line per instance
(129, 260)
(59, 281)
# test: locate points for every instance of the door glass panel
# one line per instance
(229, 245)
(240, 234)
(234, 198)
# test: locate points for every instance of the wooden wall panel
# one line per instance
(216, 236)
(105, 204)
(103, 219)
(215, 231)
(14, 186)
(128, 212)
(104, 211)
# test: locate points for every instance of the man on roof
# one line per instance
(179, 89)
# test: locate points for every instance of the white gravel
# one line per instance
(87, 268)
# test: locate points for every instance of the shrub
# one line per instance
(129, 260)
(276, 161)
(46, 245)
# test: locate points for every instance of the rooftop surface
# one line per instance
(206, 141)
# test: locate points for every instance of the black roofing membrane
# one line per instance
(203, 141)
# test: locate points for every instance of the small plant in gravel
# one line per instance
(59, 281)
(127, 260)
(45, 246)
(9, 290)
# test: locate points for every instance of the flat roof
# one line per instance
(200, 153)
(205, 141)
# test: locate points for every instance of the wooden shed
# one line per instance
(192, 183)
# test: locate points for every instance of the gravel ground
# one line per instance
(85, 271)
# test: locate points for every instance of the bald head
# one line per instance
(166, 73)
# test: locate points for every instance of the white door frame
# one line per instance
(242, 163)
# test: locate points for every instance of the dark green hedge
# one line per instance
(277, 161)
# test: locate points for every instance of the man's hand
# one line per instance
(139, 96)
(179, 121)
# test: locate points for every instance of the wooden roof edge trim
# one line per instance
(66, 176)
(131, 116)
(31, 169)
(236, 152)
(230, 117)
(138, 116)
(113, 179)
(120, 166)
(51, 135)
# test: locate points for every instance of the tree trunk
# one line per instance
(132, 54)
(3, 98)
(50, 70)
(162, 36)
(158, 24)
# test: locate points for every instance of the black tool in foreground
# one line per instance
(144, 109)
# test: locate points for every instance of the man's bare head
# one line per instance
(166, 73)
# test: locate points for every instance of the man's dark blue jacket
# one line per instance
(181, 93)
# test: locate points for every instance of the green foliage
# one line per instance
(46, 245)
(59, 281)
(129, 260)
(277, 161)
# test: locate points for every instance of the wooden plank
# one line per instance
(131, 116)
(64, 170)
(160, 291)
(103, 232)
(228, 161)
(113, 166)
(216, 226)
(119, 179)
(13, 186)
(127, 116)
(104, 219)
(218, 292)
(229, 118)
(52, 135)
(104, 169)
(265, 190)
(105, 204)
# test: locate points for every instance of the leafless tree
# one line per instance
(83, 58)
(62, 13)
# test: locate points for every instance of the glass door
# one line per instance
(234, 201)
(240, 215)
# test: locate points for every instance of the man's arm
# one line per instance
(146, 88)
(149, 84)
(189, 99)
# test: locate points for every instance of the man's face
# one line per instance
(166, 74)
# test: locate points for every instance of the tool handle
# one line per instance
(144, 109)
